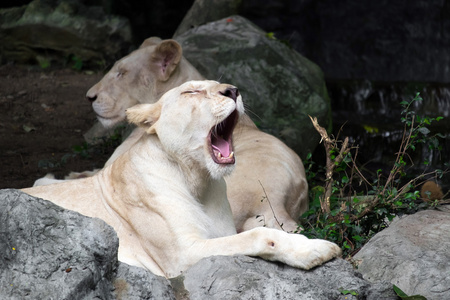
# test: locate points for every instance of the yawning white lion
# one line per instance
(166, 197)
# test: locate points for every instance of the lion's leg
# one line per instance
(46, 180)
(78, 175)
(50, 178)
(282, 221)
(275, 245)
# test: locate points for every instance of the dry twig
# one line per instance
(331, 164)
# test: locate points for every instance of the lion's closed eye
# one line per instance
(192, 92)
(121, 73)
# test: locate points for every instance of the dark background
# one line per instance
(374, 54)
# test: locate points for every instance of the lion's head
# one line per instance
(140, 77)
(195, 122)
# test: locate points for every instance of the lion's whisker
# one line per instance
(251, 113)
(220, 77)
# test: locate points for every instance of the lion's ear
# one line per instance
(151, 41)
(165, 58)
(145, 115)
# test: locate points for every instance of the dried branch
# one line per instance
(331, 164)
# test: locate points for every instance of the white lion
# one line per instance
(166, 197)
(267, 167)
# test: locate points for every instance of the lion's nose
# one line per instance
(91, 97)
(231, 92)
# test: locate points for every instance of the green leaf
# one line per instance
(424, 130)
(402, 294)
(357, 238)
(404, 103)
(411, 195)
(271, 35)
(77, 148)
(346, 292)
(345, 179)
(44, 63)
(394, 191)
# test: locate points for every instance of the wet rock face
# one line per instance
(351, 39)
(386, 41)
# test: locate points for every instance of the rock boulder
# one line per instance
(280, 87)
(47, 250)
(64, 32)
(243, 277)
(412, 253)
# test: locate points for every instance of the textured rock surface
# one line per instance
(46, 250)
(279, 86)
(243, 277)
(62, 31)
(131, 282)
(204, 11)
(412, 253)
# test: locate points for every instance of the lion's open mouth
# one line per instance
(220, 140)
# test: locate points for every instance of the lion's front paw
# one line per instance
(321, 251)
(306, 254)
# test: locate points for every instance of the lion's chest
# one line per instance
(217, 211)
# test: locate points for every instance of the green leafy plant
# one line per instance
(348, 292)
(346, 207)
(74, 61)
(43, 62)
(77, 63)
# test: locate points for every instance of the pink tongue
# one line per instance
(222, 146)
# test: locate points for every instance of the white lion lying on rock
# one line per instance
(265, 162)
(166, 197)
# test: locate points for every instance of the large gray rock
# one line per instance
(47, 251)
(205, 11)
(279, 86)
(243, 277)
(412, 253)
(47, 31)
(132, 282)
